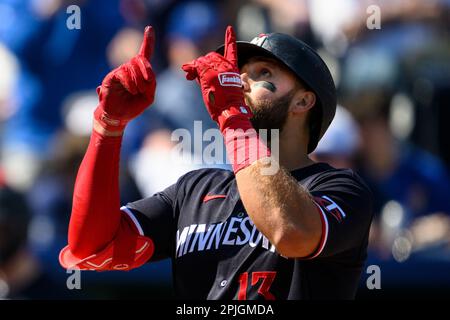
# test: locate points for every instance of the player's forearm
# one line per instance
(95, 214)
(281, 209)
(96, 219)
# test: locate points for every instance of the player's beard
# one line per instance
(270, 114)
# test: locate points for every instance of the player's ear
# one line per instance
(302, 102)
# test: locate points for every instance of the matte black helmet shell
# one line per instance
(304, 62)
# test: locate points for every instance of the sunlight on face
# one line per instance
(261, 69)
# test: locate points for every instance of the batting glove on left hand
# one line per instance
(220, 82)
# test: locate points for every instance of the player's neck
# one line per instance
(293, 152)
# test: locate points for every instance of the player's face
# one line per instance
(268, 88)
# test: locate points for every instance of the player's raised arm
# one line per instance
(101, 237)
(284, 212)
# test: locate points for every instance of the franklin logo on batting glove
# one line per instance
(230, 79)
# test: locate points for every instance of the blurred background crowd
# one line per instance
(391, 124)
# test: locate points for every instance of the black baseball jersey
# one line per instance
(217, 252)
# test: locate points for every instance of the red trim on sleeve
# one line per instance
(324, 235)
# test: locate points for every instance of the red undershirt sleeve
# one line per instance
(101, 236)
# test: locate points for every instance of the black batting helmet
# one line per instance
(306, 64)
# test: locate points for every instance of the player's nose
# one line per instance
(245, 82)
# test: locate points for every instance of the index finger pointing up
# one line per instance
(230, 52)
(148, 43)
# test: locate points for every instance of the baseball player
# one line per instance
(298, 233)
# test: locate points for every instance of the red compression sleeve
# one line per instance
(96, 214)
(242, 142)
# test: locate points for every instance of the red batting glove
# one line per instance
(127, 90)
(220, 82)
(222, 92)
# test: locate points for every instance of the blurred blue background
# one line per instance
(391, 125)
